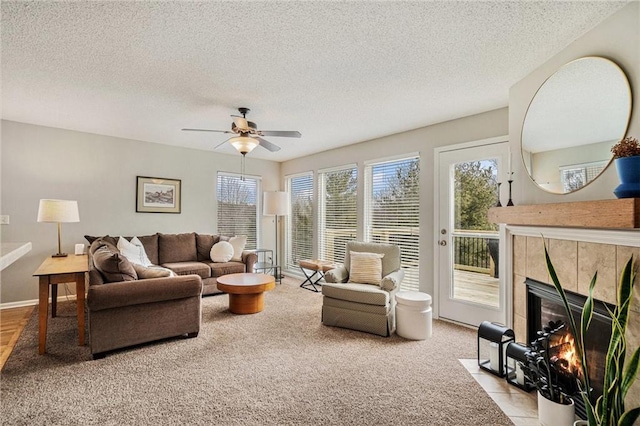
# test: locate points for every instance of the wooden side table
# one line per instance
(246, 291)
(54, 271)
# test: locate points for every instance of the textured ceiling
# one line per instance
(338, 72)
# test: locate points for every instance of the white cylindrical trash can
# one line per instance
(413, 315)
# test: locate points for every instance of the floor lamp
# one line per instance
(275, 203)
(58, 211)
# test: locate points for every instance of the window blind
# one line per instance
(337, 212)
(392, 211)
(238, 207)
(299, 224)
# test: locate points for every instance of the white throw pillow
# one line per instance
(133, 251)
(221, 252)
(365, 268)
(238, 242)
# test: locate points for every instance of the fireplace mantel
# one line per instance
(623, 213)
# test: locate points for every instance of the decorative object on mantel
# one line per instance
(499, 204)
(574, 115)
(623, 213)
(493, 339)
(626, 154)
(609, 409)
(545, 371)
(510, 202)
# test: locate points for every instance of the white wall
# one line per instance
(423, 140)
(100, 173)
(617, 38)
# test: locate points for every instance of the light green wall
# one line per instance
(100, 173)
(616, 38)
(424, 140)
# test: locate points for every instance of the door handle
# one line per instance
(443, 242)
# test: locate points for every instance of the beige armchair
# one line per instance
(358, 306)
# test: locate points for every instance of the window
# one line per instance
(392, 211)
(337, 212)
(299, 224)
(578, 175)
(238, 207)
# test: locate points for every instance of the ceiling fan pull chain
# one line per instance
(242, 168)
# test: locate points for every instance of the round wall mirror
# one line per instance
(573, 120)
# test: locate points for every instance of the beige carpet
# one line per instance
(281, 366)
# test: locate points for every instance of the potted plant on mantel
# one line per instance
(555, 406)
(609, 408)
(626, 154)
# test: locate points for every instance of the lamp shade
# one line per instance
(58, 211)
(244, 144)
(276, 203)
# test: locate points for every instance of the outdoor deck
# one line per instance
(476, 287)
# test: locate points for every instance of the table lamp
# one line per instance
(58, 211)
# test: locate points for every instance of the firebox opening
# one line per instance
(544, 305)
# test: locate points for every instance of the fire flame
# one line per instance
(565, 349)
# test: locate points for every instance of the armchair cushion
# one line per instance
(390, 261)
(366, 268)
(359, 293)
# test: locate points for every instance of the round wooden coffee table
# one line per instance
(246, 291)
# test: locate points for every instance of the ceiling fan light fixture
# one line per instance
(244, 144)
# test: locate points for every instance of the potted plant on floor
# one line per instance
(626, 154)
(555, 407)
(609, 408)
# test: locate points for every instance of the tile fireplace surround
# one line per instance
(576, 253)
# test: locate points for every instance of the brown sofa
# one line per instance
(127, 313)
(187, 254)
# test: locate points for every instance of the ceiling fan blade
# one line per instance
(268, 145)
(241, 123)
(206, 130)
(281, 133)
(221, 143)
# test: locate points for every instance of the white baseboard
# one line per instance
(33, 302)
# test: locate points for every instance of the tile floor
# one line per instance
(520, 406)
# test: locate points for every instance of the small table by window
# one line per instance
(54, 271)
(265, 263)
(318, 268)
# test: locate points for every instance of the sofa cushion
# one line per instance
(238, 242)
(366, 268)
(173, 248)
(221, 252)
(101, 242)
(189, 268)
(204, 242)
(220, 269)
(150, 243)
(113, 266)
(107, 238)
(134, 251)
(153, 271)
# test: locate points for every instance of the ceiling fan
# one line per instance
(248, 136)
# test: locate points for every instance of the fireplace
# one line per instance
(544, 305)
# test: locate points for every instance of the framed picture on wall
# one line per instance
(158, 195)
